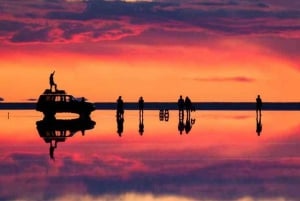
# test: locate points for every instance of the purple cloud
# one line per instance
(226, 79)
(85, 18)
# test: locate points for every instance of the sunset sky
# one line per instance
(212, 50)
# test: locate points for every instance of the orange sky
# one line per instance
(221, 72)
(102, 49)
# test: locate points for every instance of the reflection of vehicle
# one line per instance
(52, 102)
(61, 128)
(54, 131)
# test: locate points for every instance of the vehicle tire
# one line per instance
(49, 114)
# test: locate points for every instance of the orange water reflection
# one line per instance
(221, 153)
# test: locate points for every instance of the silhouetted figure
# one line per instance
(120, 125)
(141, 116)
(188, 106)
(120, 107)
(258, 105)
(52, 83)
(52, 148)
(180, 104)
(141, 105)
(258, 125)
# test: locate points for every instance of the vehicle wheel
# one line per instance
(49, 114)
(85, 115)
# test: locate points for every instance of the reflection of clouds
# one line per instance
(125, 197)
(286, 146)
(102, 176)
(150, 197)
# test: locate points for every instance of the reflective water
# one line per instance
(222, 157)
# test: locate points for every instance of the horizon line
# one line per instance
(276, 106)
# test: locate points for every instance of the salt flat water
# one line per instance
(222, 157)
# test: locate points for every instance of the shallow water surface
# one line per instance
(222, 157)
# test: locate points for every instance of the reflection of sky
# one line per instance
(222, 158)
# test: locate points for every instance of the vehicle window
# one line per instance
(57, 98)
(48, 98)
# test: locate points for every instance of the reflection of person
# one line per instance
(141, 115)
(258, 105)
(120, 122)
(180, 120)
(180, 126)
(187, 126)
(141, 127)
(51, 80)
(258, 125)
(51, 149)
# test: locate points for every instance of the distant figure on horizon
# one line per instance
(141, 105)
(120, 107)
(258, 105)
(52, 83)
(180, 104)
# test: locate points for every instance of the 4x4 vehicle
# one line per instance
(51, 103)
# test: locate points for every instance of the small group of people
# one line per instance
(185, 104)
(120, 115)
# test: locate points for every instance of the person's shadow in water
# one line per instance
(258, 115)
(141, 115)
(188, 124)
(258, 124)
(120, 125)
(141, 123)
(181, 124)
(52, 149)
(185, 124)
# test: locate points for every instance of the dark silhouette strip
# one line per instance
(289, 106)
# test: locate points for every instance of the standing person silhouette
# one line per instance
(180, 104)
(120, 107)
(51, 80)
(258, 105)
(141, 105)
(188, 106)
